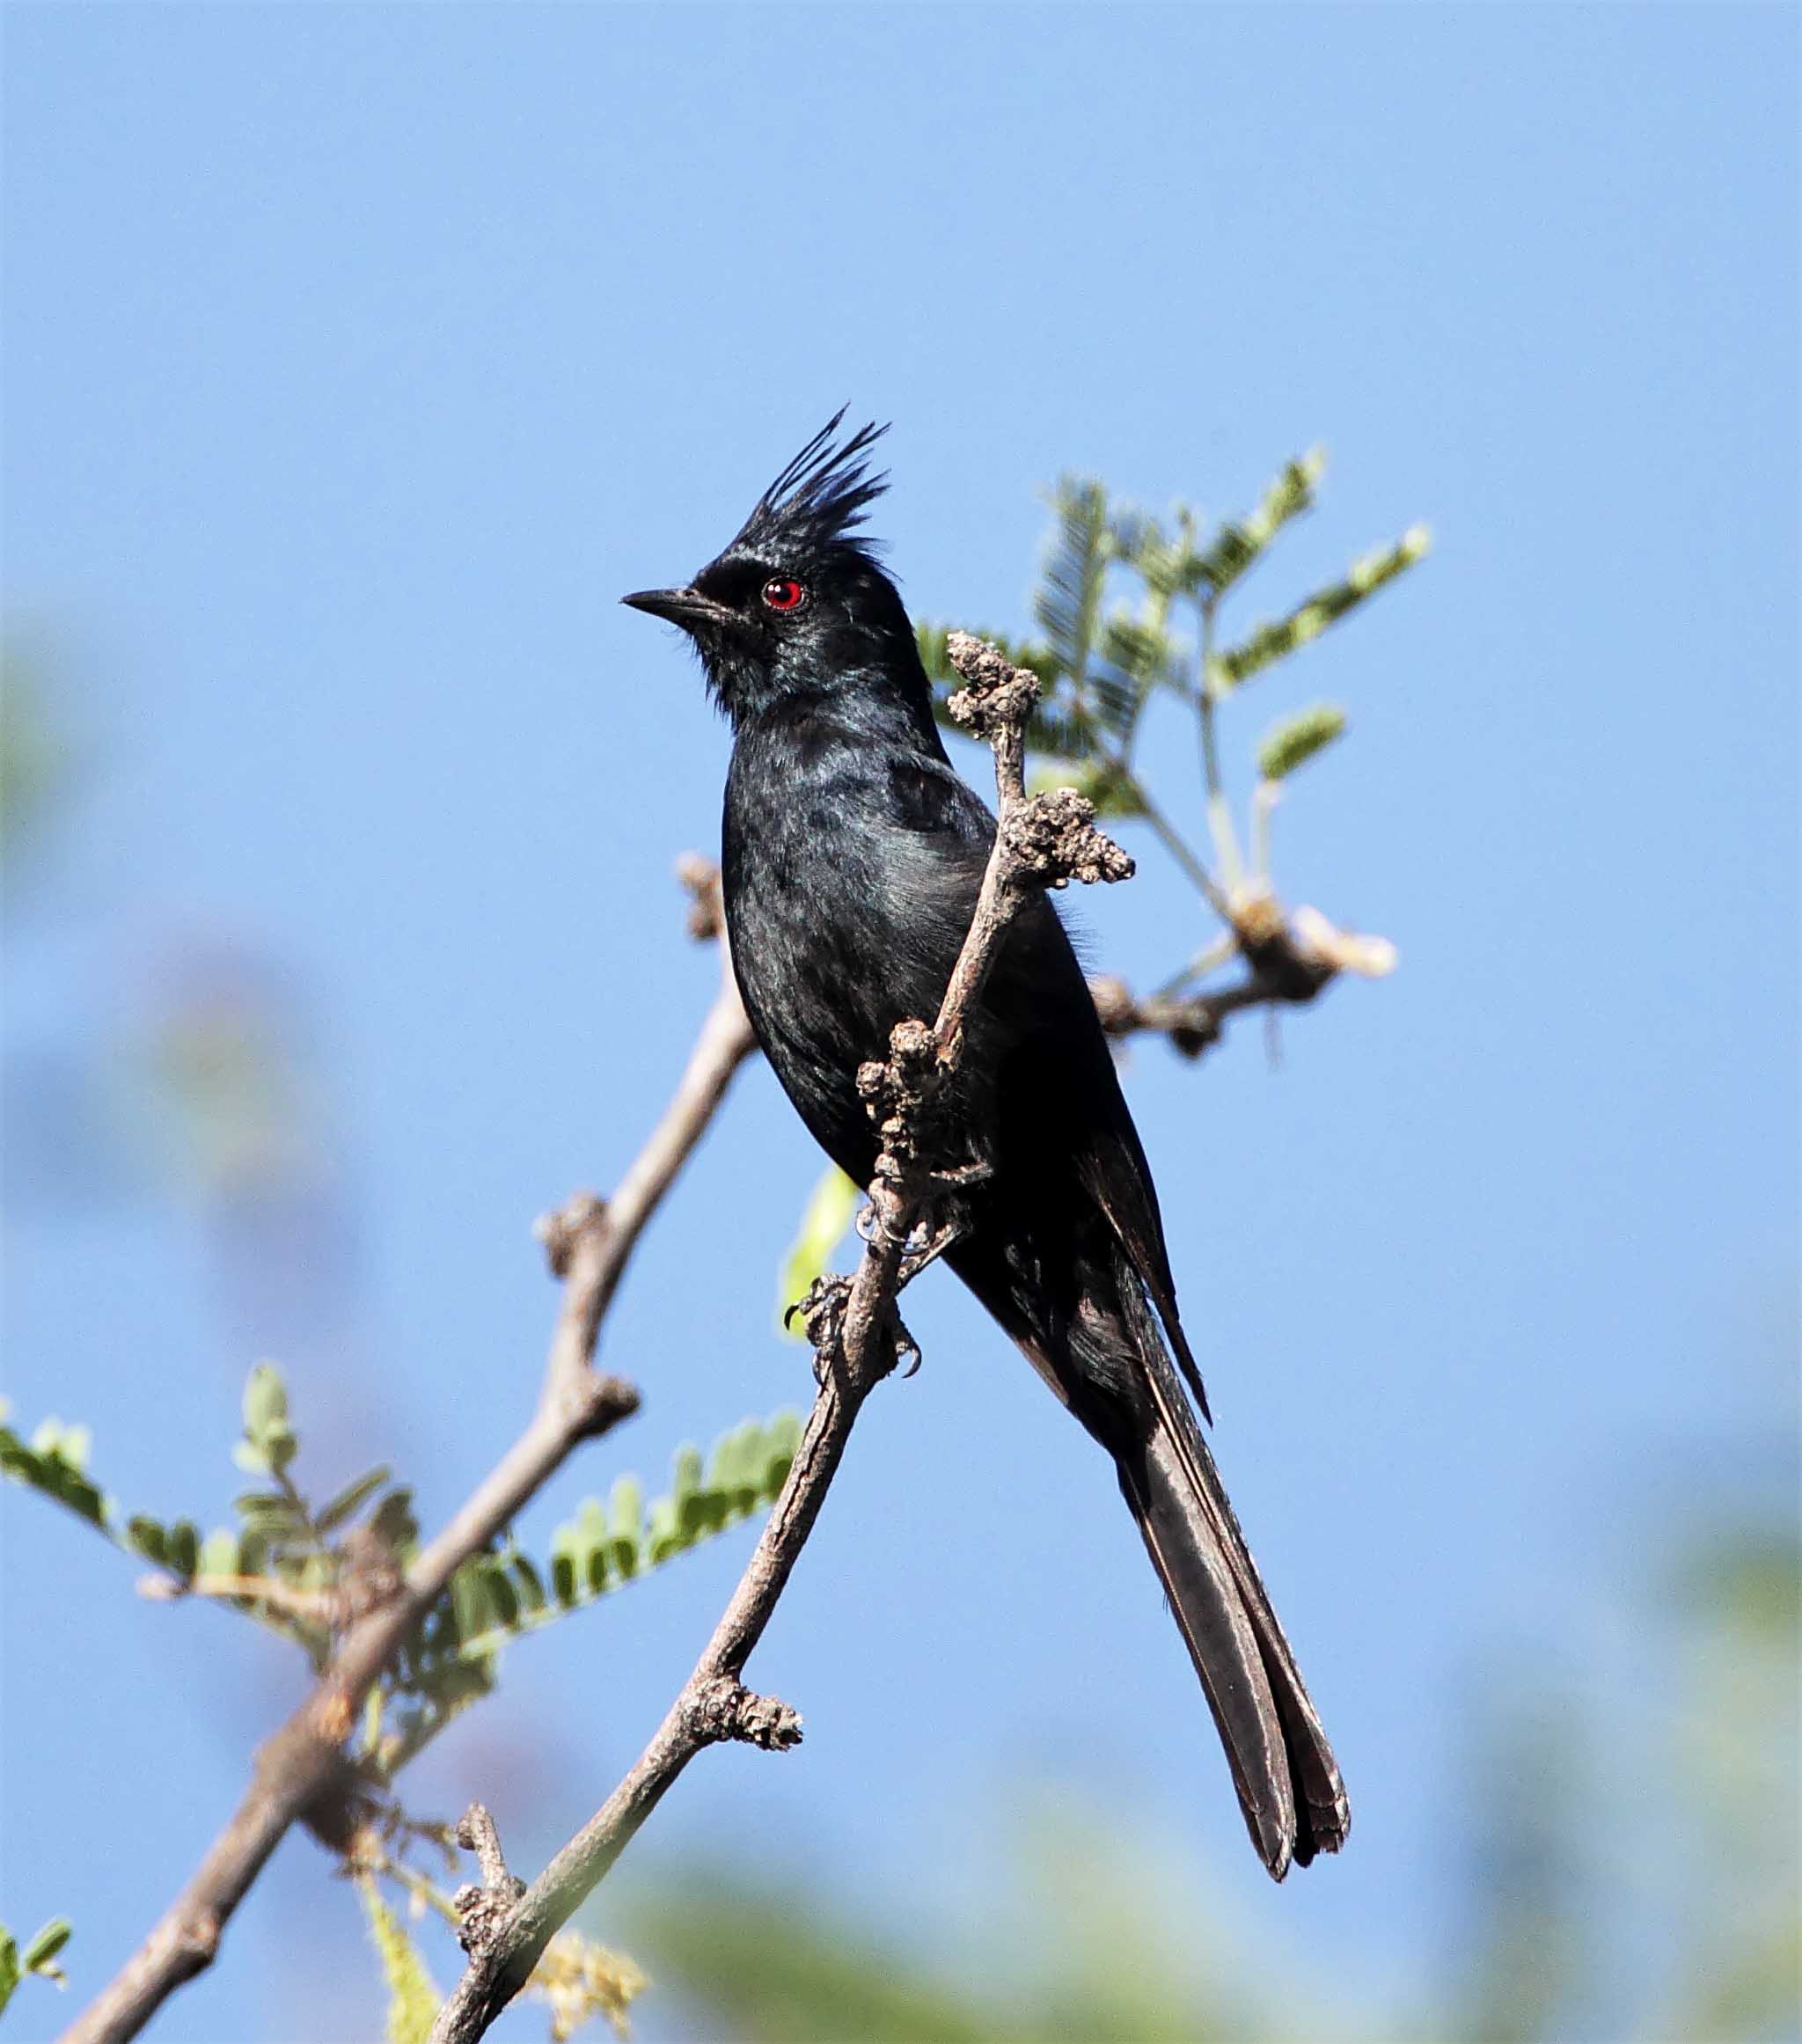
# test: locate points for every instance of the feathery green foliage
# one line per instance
(288, 1562)
(1297, 739)
(413, 1998)
(1270, 643)
(1113, 582)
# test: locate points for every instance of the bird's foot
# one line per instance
(927, 1243)
(823, 1312)
(945, 1218)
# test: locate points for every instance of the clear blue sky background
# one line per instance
(358, 358)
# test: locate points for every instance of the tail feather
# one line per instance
(1287, 1781)
(1108, 1362)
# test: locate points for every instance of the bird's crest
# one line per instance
(819, 499)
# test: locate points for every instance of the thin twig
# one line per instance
(1292, 958)
(304, 1760)
(1193, 1022)
(1040, 841)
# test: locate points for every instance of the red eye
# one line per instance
(784, 594)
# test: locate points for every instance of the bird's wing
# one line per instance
(1051, 1038)
(1113, 1168)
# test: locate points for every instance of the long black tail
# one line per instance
(1283, 1767)
(1101, 1351)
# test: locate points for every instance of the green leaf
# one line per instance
(566, 1567)
(497, 1585)
(392, 1521)
(277, 1518)
(265, 1401)
(529, 1585)
(144, 1536)
(591, 1529)
(1288, 744)
(350, 1500)
(46, 1467)
(494, 1599)
(1273, 642)
(1153, 554)
(1238, 542)
(470, 1605)
(823, 1220)
(1067, 604)
(43, 1948)
(10, 1971)
(662, 1533)
(735, 1470)
(184, 1548)
(695, 1508)
(782, 1439)
(626, 1521)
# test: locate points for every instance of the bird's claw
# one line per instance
(903, 1344)
(927, 1243)
(822, 1317)
(821, 1311)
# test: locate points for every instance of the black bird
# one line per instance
(853, 853)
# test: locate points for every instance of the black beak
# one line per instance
(686, 607)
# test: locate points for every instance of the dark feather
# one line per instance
(819, 499)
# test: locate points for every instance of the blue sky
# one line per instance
(358, 358)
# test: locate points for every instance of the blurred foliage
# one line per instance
(824, 1222)
(1084, 1931)
(585, 1982)
(38, 1959)
(413, 1997)
(1296, 740)
(35, 762)
(1092, 1934)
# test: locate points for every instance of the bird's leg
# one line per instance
(944, 1220)
(822, 1316)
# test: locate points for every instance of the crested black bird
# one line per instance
(853, 857)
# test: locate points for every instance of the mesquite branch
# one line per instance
(1040, 841)
(1290, 960)
(303, 1765)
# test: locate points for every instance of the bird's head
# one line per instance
(798, 603)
